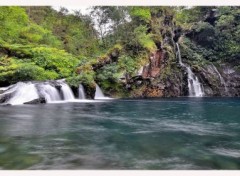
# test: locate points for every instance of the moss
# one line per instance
(145, 40)
(116, 47)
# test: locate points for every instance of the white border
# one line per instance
(119, 173)
(120, 3)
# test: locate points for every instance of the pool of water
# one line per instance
(174, 133)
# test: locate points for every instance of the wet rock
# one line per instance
(37, 101)
(224, 83)
(153, 69)
(177, 34)
(4, 98)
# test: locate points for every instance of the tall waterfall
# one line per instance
(221, 80)
(81, 92)
(194, 86)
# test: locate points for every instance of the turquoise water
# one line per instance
(174, 133)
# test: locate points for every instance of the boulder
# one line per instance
(36, 101)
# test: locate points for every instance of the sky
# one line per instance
(84, 9)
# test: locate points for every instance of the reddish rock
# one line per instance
(154, 67)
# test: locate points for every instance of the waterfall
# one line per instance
(49, 92)
(221, 80)
(99, 94)
(23, 92)
(81, 92)
(67, 92)
(3, 88)
(194, 86)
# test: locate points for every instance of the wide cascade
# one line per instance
(24, 92)
(194, 86)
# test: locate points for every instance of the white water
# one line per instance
(99, 94)
(81, 92)
(67, 92)
(10, 89)
(3, 88)
(50, 93)
(24, 92)
(194, 86)
(21, 92)
(221, 79)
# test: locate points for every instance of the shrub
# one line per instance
(144, 39)
(17, 70)
(30, 72)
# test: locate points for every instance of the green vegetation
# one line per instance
(213, 32)
(109, 45)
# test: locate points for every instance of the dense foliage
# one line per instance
(111, 43)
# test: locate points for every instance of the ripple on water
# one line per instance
(124, 135)
(2, 149)
(196, 128)
(226, 152)
(165, 163)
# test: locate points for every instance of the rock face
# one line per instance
(155, 63)
(217, 80)
(4, 98)
(223, 80)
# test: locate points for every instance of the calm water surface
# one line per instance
(179, 133)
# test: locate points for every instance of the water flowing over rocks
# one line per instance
(99, 94)
(211, 79)
(44, 92)
(37, 93)
(37, 101)
(223, 80)
(195, 88)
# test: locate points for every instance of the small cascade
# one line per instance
(99, 94)
(81, 92)
(49, 92)
(194, 86)
(23, 92)
(221, 80)
(67, 92)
